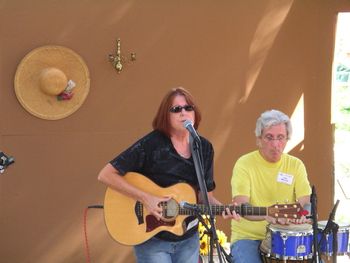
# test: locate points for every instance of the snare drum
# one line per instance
(326, 246)
(291, 243)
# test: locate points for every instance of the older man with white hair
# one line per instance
(262, 178)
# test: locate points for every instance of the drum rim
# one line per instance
(342, 225)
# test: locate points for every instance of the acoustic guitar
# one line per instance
(129, 223)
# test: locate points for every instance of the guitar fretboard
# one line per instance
(243, 210)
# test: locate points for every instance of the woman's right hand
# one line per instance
(153, 206)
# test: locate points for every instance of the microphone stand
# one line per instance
(335, 241)
(199, 213)
(195, 145)
(316, 257)
(331, 226)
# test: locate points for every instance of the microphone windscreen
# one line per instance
(182, 204)
(187, 122)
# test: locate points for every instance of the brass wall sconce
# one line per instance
(118, 60)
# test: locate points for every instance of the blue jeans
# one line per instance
(246, 251)
(159, 251)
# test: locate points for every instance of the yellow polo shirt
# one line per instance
(266, 184)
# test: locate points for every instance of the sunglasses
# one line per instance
(177, 109)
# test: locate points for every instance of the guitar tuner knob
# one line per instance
(276, 215)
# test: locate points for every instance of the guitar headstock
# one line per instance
(290, 211)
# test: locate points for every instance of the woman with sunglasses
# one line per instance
(164, 156)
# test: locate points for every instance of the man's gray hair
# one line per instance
(272, 118)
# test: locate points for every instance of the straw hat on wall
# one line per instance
(52, 82)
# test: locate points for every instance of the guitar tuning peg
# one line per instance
(286, 201)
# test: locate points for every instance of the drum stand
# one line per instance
(196, 151)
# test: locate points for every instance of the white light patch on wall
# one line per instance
(297, 120)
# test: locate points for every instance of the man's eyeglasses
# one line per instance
(177, 109)
(270, 138)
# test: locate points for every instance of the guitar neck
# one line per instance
(243, 210)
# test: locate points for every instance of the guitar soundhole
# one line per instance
(170, 209)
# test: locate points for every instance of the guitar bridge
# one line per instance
(139, 212)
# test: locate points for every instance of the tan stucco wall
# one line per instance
(238, 58)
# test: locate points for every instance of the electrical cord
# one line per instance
(87, 250)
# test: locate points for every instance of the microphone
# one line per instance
(189, 126)
(5, 161)
(191, 207)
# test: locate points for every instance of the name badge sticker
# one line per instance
(285, 178)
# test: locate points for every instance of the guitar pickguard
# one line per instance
(152, 223)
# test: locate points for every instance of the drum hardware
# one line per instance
(328, 244)
(284, 238)
(306, 243)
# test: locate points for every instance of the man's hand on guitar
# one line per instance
(287, 221)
